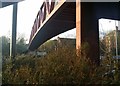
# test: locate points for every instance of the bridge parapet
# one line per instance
(45, 10)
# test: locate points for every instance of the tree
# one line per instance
(21, 45)
(5, 45)
(48, 46)
(102, 47)
(108, 43)
(118, 42)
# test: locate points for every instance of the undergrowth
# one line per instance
(61, 66)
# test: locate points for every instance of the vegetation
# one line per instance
(61, 66)
(55, 44)
(108, 43)
(21, 46)
(48, 46)
(5, 45)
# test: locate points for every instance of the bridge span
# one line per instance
(58, 16)
(51, 21)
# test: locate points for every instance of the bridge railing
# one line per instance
(46, 8)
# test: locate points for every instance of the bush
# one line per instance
(61, 66)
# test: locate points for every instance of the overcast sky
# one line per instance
(27, 11)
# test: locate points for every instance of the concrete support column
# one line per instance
(14, 30)
(87, 29)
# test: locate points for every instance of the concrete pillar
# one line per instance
(14, 30)
(87, 29)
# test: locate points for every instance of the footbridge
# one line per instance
(58, 16)
(53, 18)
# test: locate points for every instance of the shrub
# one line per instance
(61, 66)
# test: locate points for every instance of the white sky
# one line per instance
(106, 25)
(27, 11)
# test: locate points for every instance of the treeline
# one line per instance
(21, 45)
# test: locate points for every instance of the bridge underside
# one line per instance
(62, 20)
(65, 19)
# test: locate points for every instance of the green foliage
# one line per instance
(20, 45)
(5, 45)
(61, 66)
